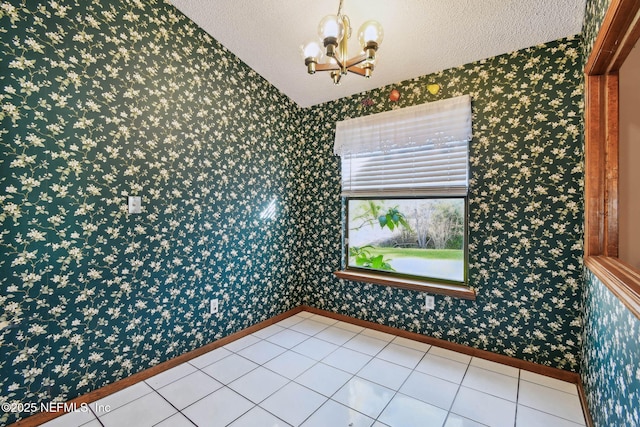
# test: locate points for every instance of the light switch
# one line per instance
(135, 204)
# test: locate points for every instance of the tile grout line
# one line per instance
(515, 420)
(351, 376)
(554, 415)
(457, 391)
(257, 405)
(395, 392)
(317, 362)
(216, 390)
(545, 412)
(289, 381)
(459, 385)
(96, 417)
(179, 411)
(126, 403)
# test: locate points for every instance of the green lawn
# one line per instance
(452, 254)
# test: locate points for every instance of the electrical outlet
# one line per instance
(214, 306)
(429, 302)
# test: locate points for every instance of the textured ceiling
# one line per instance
(420, 36)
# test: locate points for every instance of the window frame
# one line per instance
(393, 274)
(400, 280)
(369, 134)
(618, 34)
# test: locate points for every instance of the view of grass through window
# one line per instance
(418, 237)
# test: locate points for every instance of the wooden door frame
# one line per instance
(618, 34)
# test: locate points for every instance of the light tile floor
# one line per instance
(313, 371)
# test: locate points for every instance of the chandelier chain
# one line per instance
(340, 8)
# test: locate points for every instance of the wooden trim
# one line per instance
(618, 34)
(607, 51)
(612, 120)
(90, 397)
(594, 166)
(457, 291)
(629, 39)
(585, 405)
(601, 165)
(621, 279)
(548, 371)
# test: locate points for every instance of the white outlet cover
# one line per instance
(214, 306)
(135, 204)
(429, 302)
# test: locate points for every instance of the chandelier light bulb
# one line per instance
(370, 32)
(312, 49)
(331, 53)
(331, 28)
(312, 54)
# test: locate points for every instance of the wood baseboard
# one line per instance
(95, 395)
(548, 371)
(43, 417)
(585, 405)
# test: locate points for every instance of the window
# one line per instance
(420, 237)
(404, 185)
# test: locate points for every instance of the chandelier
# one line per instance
(334, 32)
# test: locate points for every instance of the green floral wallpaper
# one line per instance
(611, 350)
(103, 99)
(525, 204)
(108, 98)
(610, 371)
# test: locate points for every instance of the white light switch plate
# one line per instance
(135, 204)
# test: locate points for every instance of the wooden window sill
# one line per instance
(621, 279)
(458, 291)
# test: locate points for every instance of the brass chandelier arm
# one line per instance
(356, 60)
(327, 67)
(358, 70)
(335, 32)
(351, 65)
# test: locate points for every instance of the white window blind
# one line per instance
(420, 150)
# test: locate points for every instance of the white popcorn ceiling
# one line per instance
(420, 36)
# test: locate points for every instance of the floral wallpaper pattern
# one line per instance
(103, 99)
(593, 18)
(610, 370)
(611, 350)
(525, 209)
(108, 98)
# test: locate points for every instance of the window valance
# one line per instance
(421, 150)
(424, 124)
